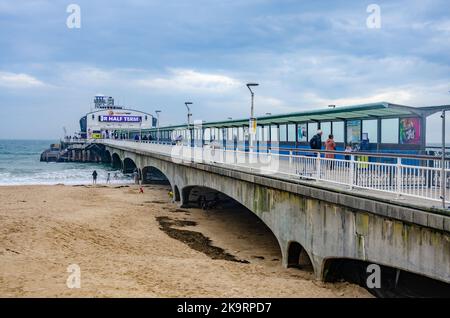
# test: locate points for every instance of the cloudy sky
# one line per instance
(158, 54)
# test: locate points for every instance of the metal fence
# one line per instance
(355, 170)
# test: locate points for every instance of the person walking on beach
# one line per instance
(94, 177)
(136, 176)
(330, 145)
(108, 178)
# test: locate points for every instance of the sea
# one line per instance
(20, 165)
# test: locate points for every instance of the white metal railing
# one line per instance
(420, 181)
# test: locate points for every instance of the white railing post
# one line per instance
(203, 153)
(290, 160)
(318, 166)
(224, 155)
(352, 172)
(399, 177)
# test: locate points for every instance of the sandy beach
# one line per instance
(128, 244)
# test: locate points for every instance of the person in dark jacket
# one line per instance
(316, 141)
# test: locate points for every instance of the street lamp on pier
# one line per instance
(189, 115)
(252, 122)
(157, 131)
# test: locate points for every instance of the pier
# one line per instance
(350, 212)
(74, 151)
(385, 200)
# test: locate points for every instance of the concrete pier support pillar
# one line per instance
(74, 158)
(284, 245)
(184, 198)
(318, 264)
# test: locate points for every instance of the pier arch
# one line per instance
(129, 165)
(298, 257)
(394, 282)
(152, 175)
(116, 162)
(221, 201)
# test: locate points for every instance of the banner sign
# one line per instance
(120, 119)
(410, 131)
(252, 125)
(353, 131)
(302, 132)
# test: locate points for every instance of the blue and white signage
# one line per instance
(120, 119)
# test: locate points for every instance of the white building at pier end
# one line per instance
(107, 119)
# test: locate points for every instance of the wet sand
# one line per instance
(140, 245)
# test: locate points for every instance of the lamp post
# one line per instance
(157, 131)
(252, 114)
(189, 115)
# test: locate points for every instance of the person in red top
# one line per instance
(330, 145)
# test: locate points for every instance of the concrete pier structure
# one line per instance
(322, 221)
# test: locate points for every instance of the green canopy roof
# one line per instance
(365, 111)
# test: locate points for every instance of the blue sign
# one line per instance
(120, 119)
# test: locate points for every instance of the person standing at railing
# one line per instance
(179, 140)
(330, 145)
(316, 141)
(348, 150)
